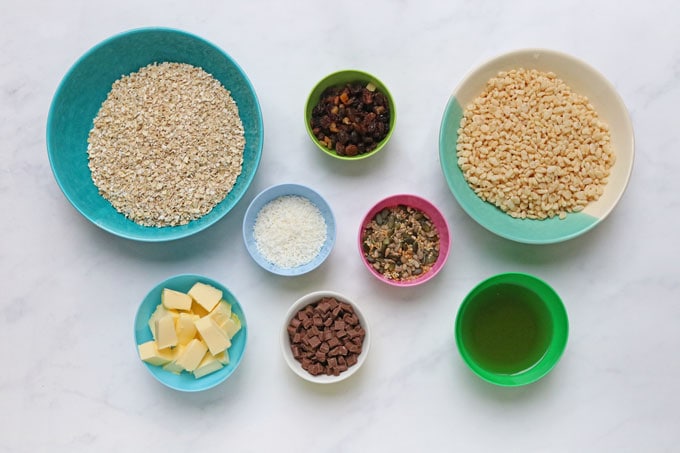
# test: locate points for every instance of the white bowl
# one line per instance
(285, 340)
(582, 79)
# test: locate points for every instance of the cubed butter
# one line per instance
(149, 353)
(205, 295)
(221, 312)
(208, 365)
(231, 326)
(185, 328)
(172, 366)
(166, 336)
(158, 313)
(223, 357)
(175, 300)
(191, 356)
(213, 336)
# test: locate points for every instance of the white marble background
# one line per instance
(71, 379)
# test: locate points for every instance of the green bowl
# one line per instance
(86, 85)
(511, 329)
(337, 79)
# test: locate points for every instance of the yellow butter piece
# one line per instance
(191, 355)
(172, 366)
(150, 354)
(185, 328)
(223, 357)
(205, 295)
(232, 326)
(176, 300)
(166, 336)
(213, 336)
(158, 313)
(208, 365)
(221, 313)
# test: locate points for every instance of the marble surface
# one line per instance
(71, 378)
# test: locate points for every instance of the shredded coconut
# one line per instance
(289, 231)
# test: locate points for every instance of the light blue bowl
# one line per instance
(271, 194)
(186, 382)
(86, 85)
(583, 79)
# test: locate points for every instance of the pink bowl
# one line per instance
(437, 219)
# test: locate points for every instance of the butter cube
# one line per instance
(149, 353)
(166, 336)
(205, 295)
(176, 300)
(215, 338)
(231, 326)
(208, 365)
(185, 328)
(191, 355)
(156, 315)
(223, 357)
(221, 313)
(172, 366)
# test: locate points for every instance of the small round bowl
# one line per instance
(186, 382)
(87, 84)
(285, 340)
(481, 325)
(338, 79)
(273, 193)
(584, 80)
(437, 219)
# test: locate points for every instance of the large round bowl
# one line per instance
(184, 381)
(584, 80)
(86, 85)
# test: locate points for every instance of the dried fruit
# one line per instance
(351, 119)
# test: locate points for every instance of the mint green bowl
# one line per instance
(583, 79)
(340, 78)
(86, 85)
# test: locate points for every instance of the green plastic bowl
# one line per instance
(86, 85)
(337, 79)
(474, 328)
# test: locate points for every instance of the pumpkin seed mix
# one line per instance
(167, 144)
(401, 243)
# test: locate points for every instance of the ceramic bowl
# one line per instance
(186, 382)
(341, 78)
(434, 215)
(87, 84)
(511, 329)
(286, 344)
(271, 194)
(583, 79)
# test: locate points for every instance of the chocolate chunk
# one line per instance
(314, 341)
(352, 359)
(339, 325)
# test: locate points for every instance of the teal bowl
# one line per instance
(186, 382)
(584, 80)
(87, 84)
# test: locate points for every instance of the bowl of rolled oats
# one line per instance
(404, 240)
(154, 134)
(536, 146)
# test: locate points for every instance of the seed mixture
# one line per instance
(289, 231)
(532, 147)
(326, 337)
(351, 119)
(401, 243)
(167, 144)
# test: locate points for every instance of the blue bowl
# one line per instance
(86, 85)
(186, 382)
(271, 194)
